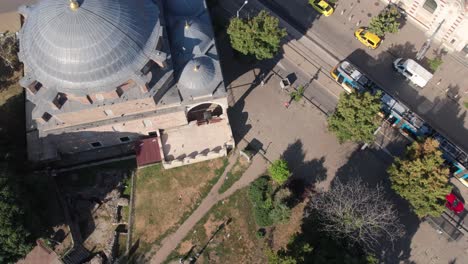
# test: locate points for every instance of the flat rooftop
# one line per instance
(194, 139)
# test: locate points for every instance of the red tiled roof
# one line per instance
(148, 151)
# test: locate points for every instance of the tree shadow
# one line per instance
(305, 173)
(371, 168)
(235, 65)
(406, 50)
(313, 246)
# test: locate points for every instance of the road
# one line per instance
(335, 34)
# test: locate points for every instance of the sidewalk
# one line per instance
(435, 103)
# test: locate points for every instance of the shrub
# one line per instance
(279, 171)
(298, 94)
(260, 196)
(435, 63)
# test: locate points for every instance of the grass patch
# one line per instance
(235, 243)
(125, 213)
(466, 105)
(166, 198)
(127, 183)
(235, 174)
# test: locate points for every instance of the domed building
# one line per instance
(99, 80)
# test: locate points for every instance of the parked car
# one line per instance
(414, 72)
(367, 38)
(323, 7)
(454, 204)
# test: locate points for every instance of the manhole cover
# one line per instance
(369, 14)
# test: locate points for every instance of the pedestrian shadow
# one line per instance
(305, 173)
(368, 166)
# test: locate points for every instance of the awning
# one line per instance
(148, 151)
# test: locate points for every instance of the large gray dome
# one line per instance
(185, 7)
(200, 75)
(98, 45)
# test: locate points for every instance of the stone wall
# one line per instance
(78, 141)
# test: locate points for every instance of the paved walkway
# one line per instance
(170, 243)
(334, 36)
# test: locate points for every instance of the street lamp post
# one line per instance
(242, 6)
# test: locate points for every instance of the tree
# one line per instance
(279, 171)
(259, 36)
(9, 61)
(356, 117)
(386, 21)
(356, 213)
(13, 236)
(422, 178)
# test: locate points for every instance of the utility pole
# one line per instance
(427, 44)
(242, 6)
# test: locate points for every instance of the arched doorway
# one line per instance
(204, 111)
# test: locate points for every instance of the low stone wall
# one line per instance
(213, 154)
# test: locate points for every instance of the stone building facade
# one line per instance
(450, 16)
(102, 74)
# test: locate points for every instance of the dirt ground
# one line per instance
(282, 233)
(164, 198)
(237, 242)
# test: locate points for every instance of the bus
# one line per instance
(351, 78)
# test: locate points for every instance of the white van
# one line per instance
(412, 71)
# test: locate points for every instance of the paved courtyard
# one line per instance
(299, 134)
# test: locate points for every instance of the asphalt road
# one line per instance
(441, 112)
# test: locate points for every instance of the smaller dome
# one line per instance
(189, 38)
(185, 7)
(200, 74)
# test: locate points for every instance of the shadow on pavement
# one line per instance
(305, 173)
(444, 113)
(368, 166)
(235, 65)
(300, 15)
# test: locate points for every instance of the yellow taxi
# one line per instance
(322, 7)
(367, 38)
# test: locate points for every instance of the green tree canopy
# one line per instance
(279, 171)
(9, 61)
(259, 36)
(386, 21)
(356, 117)
(421, 178)
(13, 236)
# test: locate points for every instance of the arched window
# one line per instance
(430, 5)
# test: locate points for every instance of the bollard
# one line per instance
(358, 23)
